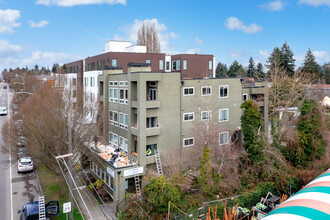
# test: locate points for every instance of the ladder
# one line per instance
(158, 163)
(42, 211)
(137, 180)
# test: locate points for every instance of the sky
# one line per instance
(44, 32)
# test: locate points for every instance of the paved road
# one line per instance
(15, 189)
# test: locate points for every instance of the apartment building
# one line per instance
(145, 110)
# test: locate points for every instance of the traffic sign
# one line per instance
(66, 207)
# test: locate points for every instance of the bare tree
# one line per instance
(147, 36)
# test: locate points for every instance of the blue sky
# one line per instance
(46, 31)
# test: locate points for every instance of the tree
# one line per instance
(311, 144)
(252, 127)
(221, 70)
(160, 191)
(260, 74)
(147, 36)
(54, 70)
(36, 67)
(326, 72)
(287, 60)
(64, 67)
(251, 68)
(310, 66)
(236, 69)
(274, 60)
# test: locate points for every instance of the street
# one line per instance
(16, 189)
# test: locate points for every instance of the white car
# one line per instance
(3, 111)
(25, 164)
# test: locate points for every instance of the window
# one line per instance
(74, 93)
(178, 65)
(167, 65)
(122, 97)
(153, 148)
(125, 145)
(121, 143)
(110, 83)
(114, 62)
(121, 120)
(121, 83)
(152, 122)
(223, 115)
(115, 83)
(113, 95)
(187, 142)
(74, 81)
(245, 97)
(115, 118)
(173, 65)
(152, 94)
(206, 90)
(86, 81)
(210, 64)
(184, 65)
(111, 117)
(206, 115)
(148, 61)
(188, 91)
(108, 62)
(223, 138)
(223, 90)
(188, 116)
(161, 64)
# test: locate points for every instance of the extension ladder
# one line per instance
(42, 211)
(137, 180)
(158, 163)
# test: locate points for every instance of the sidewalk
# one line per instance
(97, 211)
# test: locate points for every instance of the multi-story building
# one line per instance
(145, 110)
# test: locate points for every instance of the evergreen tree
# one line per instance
(236, 69)
(274, 60)
(36, 67)
(326, 72)
(221, 70)
(287, 61)
(260, 71)
(251, 68)
(54, 70)
(310, 65)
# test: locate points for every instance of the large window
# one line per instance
(173, 65)
(113, 117)
(123, 96)
(210, 64)
(188, 91)
(206, 90)
(114, 62)
(113, 95)
(206, 115)
(167, 65)
(188, 116)
(121, 120)
(152, 148)
(161, 64)
(178, 66)
(223, 138)
(223, 91)
(184, 65)
(223, 115)
(187, 142)
(152, 122)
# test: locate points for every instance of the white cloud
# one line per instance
(47, 58)
(8, 50)
(70, 3)
(174, 35)
(131, 31)
(236, 54)
(199, 41)
(8, 20)
(315, 3)
(264, 54)
(194, 50)
(277, 5)
(38, 24)
(234, 23)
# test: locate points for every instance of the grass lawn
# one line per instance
(55, 188)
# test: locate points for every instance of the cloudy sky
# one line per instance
(46, 31)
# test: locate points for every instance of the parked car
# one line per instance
(20, 142)
(22, 152)
(25, 164)
(3, 111)
(30, 211)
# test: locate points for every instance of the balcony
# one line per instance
(149, 104)
(134, 129)
(134, 103)
(152, 131)
(258, 90)
(150, 159)
(259, 102)
(101, 98)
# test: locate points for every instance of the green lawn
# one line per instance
(55, 188)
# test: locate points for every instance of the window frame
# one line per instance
(184, 88)
(189, 145)
(207, 94)
(245, 94)
(208, 116)
(114, 61)
(161, 64)
(223, 97)
(210, 65)
(224, 109)
(193, 116)
(184, 65)
(227, 133)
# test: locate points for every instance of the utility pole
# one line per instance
(70, 158)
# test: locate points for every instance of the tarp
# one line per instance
(311, 202)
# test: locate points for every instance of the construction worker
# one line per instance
(149, 152)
